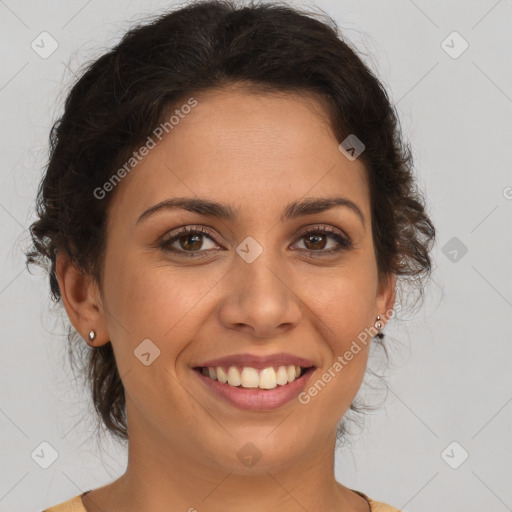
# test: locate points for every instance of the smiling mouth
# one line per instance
(253, 378)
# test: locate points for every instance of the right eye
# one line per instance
(189, 239)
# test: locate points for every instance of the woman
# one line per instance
(227, 213)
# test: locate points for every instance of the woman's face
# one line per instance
(253, 284)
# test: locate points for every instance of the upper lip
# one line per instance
(258, 362)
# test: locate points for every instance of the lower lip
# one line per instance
(255, 399)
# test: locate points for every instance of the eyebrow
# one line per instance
(210, 208)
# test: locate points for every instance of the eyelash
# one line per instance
(344, 243)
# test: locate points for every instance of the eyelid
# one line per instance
(323, 227)
(186, 228)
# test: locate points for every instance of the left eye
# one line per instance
(318, 237)
(191, 240)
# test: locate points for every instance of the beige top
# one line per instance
(75, 505)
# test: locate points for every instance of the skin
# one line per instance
(183, 440)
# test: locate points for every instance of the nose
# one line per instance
(259, 300)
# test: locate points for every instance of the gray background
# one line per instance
(450, 379)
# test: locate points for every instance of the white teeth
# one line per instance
(282, 376)
(267, 378)
(233, 376)
(249, 378)
(221, 375)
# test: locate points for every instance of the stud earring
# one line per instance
(92, 335)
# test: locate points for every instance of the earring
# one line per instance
(92, 335)
(378, 326)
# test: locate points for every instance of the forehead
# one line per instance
(253, 151)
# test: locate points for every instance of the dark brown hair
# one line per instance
(122, 96)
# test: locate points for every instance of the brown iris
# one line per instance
(315, 238)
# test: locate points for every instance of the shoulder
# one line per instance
(377, 506)
(72, 505)
(75, 505)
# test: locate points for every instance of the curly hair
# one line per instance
(122, 96)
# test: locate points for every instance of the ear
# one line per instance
(82, 300)
(386, 297)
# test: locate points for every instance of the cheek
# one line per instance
(340, 302)
(340, 306)
(155, 301)
(340, 314)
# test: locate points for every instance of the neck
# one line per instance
(163, 472)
